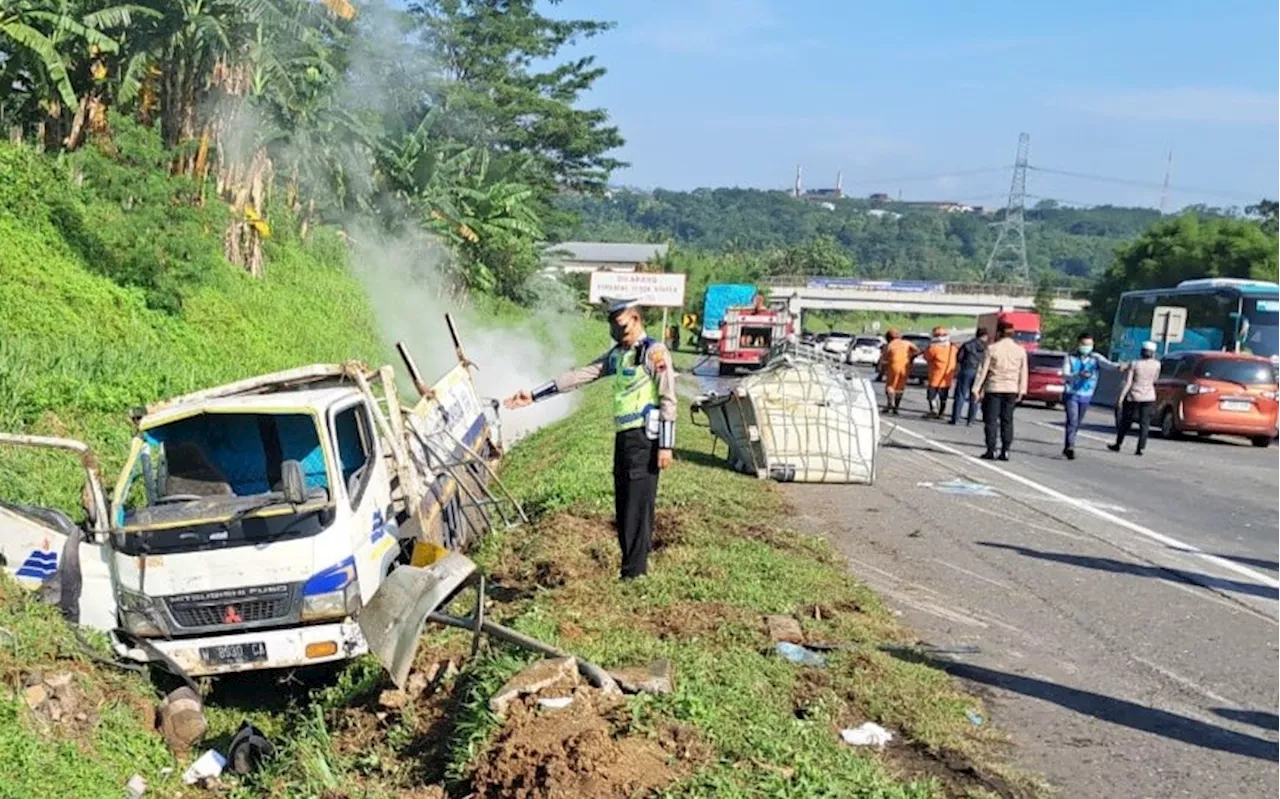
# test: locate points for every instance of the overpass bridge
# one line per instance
(908, 296)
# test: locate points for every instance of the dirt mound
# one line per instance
(670, 528)
(585, 749)
(564, 550)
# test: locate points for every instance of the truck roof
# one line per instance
(308, 400)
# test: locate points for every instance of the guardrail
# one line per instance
(918, 286)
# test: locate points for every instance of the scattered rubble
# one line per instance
(800, 655)
(205, 769)
(867, 734)
(135, 787)
(656, 678)
(586, 748)
(393, 699)
(784, 628)
(536, 677)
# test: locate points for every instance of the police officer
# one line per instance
(644, 420)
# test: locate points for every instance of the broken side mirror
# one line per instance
(293, 483)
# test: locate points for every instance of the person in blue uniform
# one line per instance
(644, 420)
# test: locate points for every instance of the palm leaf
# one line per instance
(37, 43)
(118, 16)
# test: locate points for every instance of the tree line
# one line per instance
(1067, 246)
(454, 117)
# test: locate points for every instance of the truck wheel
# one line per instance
(1261, 441)
(727, 370)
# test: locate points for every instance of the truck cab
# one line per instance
(252, 522)
(205, 492)
(1026, 326)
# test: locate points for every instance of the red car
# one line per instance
(1045, 381)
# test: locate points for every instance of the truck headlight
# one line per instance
(138, 615)
(332, 593)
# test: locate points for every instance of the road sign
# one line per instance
(1168, 324)
(654, 289)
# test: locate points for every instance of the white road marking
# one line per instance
(1190, 685)
(973, 574)
(1107, 506)
(1024, 522)
(1147, 532)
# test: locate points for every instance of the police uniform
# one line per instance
(644, 420)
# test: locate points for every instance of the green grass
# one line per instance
(78, 349)
(45, 760)
(109, 305)
(97, 320)
(731, 559)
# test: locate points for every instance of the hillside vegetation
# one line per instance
(1066, 245)
(81, 337)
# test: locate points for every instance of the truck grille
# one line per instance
(232, 608)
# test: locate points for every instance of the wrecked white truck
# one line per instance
(253, 522)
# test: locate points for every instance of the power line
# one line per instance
(1143, 184)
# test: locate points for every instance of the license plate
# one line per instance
(1053, 389)
(1236, 405)
(249, 652)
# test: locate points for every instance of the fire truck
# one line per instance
(748, 335)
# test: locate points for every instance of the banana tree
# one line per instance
(50, 46)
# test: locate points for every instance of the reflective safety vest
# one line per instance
(635, 385)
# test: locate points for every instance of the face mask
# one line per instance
(617, 331)
(1085, 349)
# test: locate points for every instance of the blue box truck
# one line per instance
(720, 298)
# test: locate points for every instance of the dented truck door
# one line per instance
(44, 550)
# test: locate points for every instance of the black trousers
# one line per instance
(937, 399)
(635, 490)
(997, 413)
(1128, 412)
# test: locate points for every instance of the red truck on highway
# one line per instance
(1026, 326)
(747, 335)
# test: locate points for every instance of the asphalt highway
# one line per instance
(1118, 613)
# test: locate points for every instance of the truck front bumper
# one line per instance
(286, 648)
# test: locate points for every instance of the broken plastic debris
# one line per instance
(555, 702)
(869, 734)
(974, 718)
(135, 787)
(207, 766)
(799, 654)
(961, 486)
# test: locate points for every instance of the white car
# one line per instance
(837, 343)
(865, 350)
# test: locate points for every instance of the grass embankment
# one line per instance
(94, 323)
(114, 293)
(81, 341)
(723, 558)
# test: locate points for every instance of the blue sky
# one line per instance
(737, 92)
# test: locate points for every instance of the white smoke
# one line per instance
(403, 277)
(403, 273)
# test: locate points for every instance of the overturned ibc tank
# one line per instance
(801, 419)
